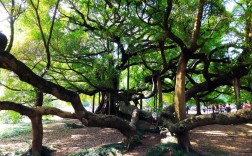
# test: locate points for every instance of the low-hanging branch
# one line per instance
(96, 120)
(31, 112)
(239, 116)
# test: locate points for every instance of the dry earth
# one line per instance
(233, 139)
(236, 140)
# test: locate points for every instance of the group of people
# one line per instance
(218, 108)
(225, 107)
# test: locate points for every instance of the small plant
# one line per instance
(72, 126)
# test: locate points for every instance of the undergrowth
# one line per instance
(72, 126)
(162, 150)
(25, 129)
(106, 150)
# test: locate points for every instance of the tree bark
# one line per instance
(37, 135)
(197, 105)
(237, 86)
(160, 94)
(240, 116)
(179, 99)
(93, 105)
(95, 120)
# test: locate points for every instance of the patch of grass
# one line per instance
(16, 131)
(106, 150)
(72, 126)
(162, 150)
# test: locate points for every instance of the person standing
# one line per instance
(187, 109)
(228, 108)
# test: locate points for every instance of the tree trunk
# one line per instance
(37, 127)
(107, 105)
(237, 86)
(197, 105)
(93, 105)
(37, 135)
(39, 97)
(160, 95)
(179, 99)
(101, 109)
(141, 103)
(112, 102)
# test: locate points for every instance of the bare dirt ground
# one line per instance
(235, 140)
(212, 139)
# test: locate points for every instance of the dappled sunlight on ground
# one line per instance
(234, 139)
(62, 139)
(149, 140)
(65, 140)
(213, 133)
(76, 137)
(249, 124)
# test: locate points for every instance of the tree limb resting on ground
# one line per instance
(239, 116)
(95, 120)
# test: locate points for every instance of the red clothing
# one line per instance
(246, 105)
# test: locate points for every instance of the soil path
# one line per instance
(212, 139)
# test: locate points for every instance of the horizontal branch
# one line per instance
(21, 109)
(239, 116)
(55, 111)
(93, 120)
(31, 112)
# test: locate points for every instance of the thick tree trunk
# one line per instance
(37, 135)
(179, 99)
